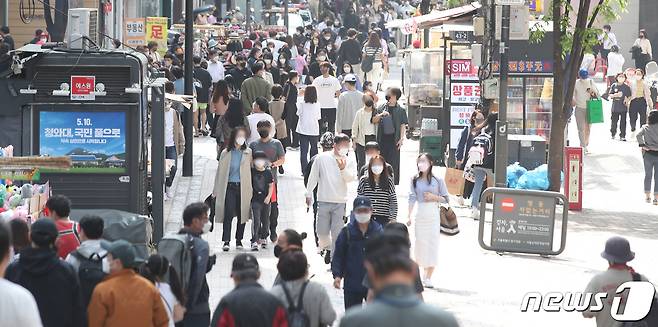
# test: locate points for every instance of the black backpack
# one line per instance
(652, 317)
(297, 317)
(90, 273)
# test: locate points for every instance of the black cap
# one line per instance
(362, 202)
(244, 262)
(372, 145)
(618, 250)
(44, 232)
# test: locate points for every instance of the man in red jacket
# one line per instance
(58, 208)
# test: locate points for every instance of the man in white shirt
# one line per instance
(259, 110)
(277, 44)
(615, 64)
(349, 102)
(608, 39)
(215, 66)
(17, 305)
(331, 172)
(328, 88)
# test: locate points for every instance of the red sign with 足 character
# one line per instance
(82, 88)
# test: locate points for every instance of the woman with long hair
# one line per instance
(373, 51)
(290, 94)
(368, 90)
(427, 191)
(233, 117)
(379, 187)
(308, 126)
(158, 270)
(465, 143)
(647, 137)
(348, 69)
(254, 55)
(481, 159)
(640, 99)
(363, 130)
(233, 187)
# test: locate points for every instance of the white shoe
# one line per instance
(475, 213)
(460, 200)
(428, 283)
(168, 192)
(585, 150)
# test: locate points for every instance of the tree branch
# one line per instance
(594, 14)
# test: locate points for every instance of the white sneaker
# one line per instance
(460, 200)
(168, 192)
(475, 213)
(585, 150)
(428, 283)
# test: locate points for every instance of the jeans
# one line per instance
(307, 143)
(330, 223)
(327, 120)
(261, 220)
(650, 169)
(232, 209)
(480, 179)
(638, 108)
(622, 125)
(170, 153)
(391, 154)
(353, 299)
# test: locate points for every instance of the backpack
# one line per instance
(652, 317)
(297, 317)
(367, 62)
(90, 273)
(177, 248)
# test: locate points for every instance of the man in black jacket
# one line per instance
(53, 282)
(351, 52)
(249, 304)
(202, 95)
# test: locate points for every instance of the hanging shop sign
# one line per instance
(465, 93)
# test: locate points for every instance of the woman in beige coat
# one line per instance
(233, 187)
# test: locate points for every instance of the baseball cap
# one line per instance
(43, 232)
(122, 250)
(362, 202)
(372, 145)
(244, 263)
(350, 78)
(618, 250)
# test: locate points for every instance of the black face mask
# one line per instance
(264, 133)
(277, 250)
(387, 97)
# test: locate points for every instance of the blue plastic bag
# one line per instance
(514, 172)
(536, 179)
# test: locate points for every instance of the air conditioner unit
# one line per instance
(82, 27)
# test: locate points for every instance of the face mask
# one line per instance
(347, 69)
(277, 250)
(423, 166)
(206, 227)
(240, 140)
(264, 133)
(327, 38)
(362, 218)
(343, 152)
(620, 80)
(268, 61)
(259, 163)
(369, 103)
(377, 169)
(479, 121)
(321, 58)
(387, 97)
(282, 61)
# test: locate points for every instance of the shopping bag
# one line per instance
(449, 225)
(455, 181)
(594, 111)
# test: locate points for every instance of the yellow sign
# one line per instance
(156, 30)
(134, 31)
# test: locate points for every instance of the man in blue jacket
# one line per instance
(348, 262)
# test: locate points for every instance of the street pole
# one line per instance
(187, 126)
(248, 17)
(501, 124)
(285, 16)
(157, 160)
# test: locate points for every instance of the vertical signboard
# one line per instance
(134, 31)
(156, 30)
(523, 223)
(573, 168)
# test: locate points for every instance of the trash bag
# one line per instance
(514, 172)
(536, 179)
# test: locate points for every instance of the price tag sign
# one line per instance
(82, 88)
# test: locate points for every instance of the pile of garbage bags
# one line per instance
(520, 178)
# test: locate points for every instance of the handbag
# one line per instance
(594, 111)
(454, 181)
(449, 225)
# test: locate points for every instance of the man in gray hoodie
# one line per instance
(349, 102)
(91, 231)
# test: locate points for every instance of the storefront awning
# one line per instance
(434, 18)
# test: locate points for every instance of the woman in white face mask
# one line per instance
(233, 183)
(378, 186)
(428, 191)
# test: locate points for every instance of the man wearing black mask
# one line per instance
(392, 121)
(240, 72)
(291, 240)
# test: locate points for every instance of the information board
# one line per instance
(523, 223)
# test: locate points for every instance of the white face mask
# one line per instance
(322, 58)
(240, 140)
(362, 218)
(343, 152)
(423, 166)
(206, 227)
(259, 163)
(347, 69)
(268, 61)
(377, 169)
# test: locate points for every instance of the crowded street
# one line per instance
(316, 163)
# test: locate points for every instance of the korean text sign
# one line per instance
(523, 223)
(465, 92)
(95, 141)
(82, 88)
(134, 31)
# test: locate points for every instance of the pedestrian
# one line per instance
(392, 121)
(620, 94)
(368, 90)
(203, 87)
(299, 294)
(248, 304)
(392, 274)
(89, 261)
(233, 187)
(308, 126)
(259, 112)
(363, 130)
(427, 191)
(461, 154)
(615, 64)
(346, 71)
(219, 106)
(153, 53)
(290, 94)
(215, 66)
(278, 112)
(608, 40)
(618, 253)
(327, 144)
(158, 271)
(350, 52)
(174, 140)
(647, 138)
(644, 55)
(640, 100)
(288, 240)
(20, 237)
(17, 305)
(276, 157)
(331, 172)
(254, 55)
(328, 88)
(272, 68)
(583, 91)
(233, 119)
(262, 183)
(315, 54)
(481, 160)
(284, 66)
(267, 76)
(373, 54)
(254, 87)
(348, 261)
(195, 223)
(37, 36)
(7, 38)
(349, 102)
(58, 208)
(240, 73)
(379, 187)
(372, 150)
(124, 297)
(52, 282)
